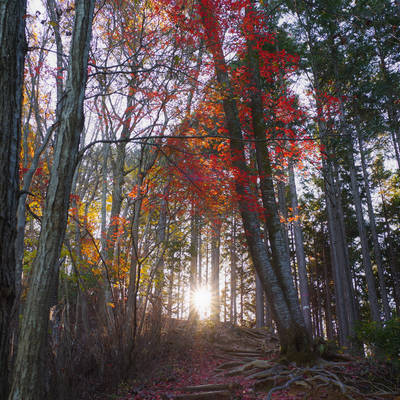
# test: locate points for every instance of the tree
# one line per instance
(12, 54)
(28, 372)
(276, 277)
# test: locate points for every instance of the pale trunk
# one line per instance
(375, 240)
(194, 241)
(366, 259)
(215, 256)
(233, 262)
(260, 308)
(159, 267)
(300, 255)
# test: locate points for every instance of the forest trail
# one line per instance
(238, 363)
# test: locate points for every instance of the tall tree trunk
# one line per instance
(338, 258)
(159, 267)
(233, 260)
(12, 54)
(300, 255)
(344, 293)
(260, 308)
(283, 210)
(146, 161)
(199, 255)
(28, 373)
(105, 311)
(194, 242)
(215, 256)
(327, 289)
(366, 259)
(375, 240)
(392, 254)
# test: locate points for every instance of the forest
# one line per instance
(200, 199)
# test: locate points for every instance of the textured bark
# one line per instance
(12, 53)
(31, 355)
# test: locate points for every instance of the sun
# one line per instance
(202, 302)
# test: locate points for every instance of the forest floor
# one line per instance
(240, 363)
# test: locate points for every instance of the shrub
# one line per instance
(383, 339)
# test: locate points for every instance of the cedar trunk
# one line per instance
(12, 53)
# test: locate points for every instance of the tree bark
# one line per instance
(300, 255)
(12, 55)
(28, 373)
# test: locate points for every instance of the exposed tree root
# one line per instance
(247, 370)
(341, 375)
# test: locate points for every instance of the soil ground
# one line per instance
(223, 362)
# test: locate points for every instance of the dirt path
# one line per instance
(237, 363)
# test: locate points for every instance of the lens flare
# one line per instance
(202, 302)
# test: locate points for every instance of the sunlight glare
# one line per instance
(202, 302)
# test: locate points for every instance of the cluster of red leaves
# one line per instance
(204, 167)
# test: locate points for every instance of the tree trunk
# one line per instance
(366, 259)
(300, 255)
(344, 293)
(338, 256)
(159, 267)
(260, 308)
(215, 256)
(328, 301)
(12, 54)
(392, 254)
(375, 240)
(199, 256)
(233, 259)
(145, 163)
(28, 373)
(194, 241)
